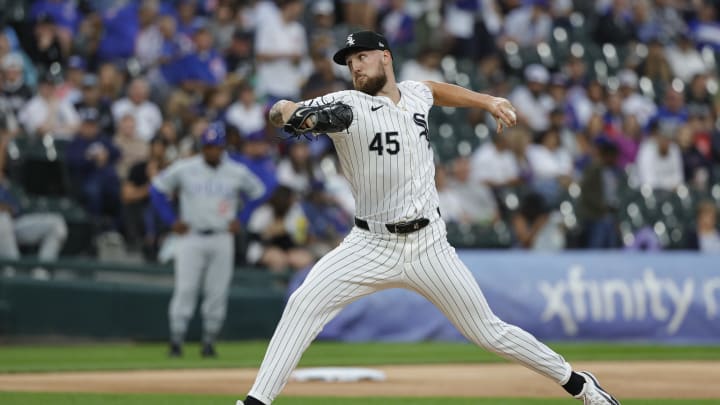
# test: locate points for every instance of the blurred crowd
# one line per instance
(617, 99)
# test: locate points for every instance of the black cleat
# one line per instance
(208, 351)
(175, 350)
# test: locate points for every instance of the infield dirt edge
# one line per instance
(637, 379)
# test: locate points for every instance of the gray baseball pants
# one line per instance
(45, 229)
(202, 263)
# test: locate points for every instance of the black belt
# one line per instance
(398, 227)
(207, 232)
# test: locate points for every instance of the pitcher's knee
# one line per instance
(297, 300)
(492, 334)
(304, 304)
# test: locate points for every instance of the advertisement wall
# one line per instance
(599, 296)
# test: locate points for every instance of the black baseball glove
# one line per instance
(331, 117)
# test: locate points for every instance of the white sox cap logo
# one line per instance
(350, 40)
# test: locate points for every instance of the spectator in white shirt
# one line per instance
(425, 67)
(551, 165)
(281, 54)
(149, 43)
(147, 115)
(532, 102)
(705, 237)
(548, 158)
(450, 202)
(659, 160)
(297, 171)
(132, 149)
(47, 113)
(459, 23)
(495, 164)
(635, 104)
(685, 61)
(528, 25)
(578, 101)
(478, 202)
(252, 15)
(246, 114)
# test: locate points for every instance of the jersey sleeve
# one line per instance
(342, 96)
(421, 90)
(169, 179)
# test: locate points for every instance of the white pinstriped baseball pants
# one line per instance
(421, 261)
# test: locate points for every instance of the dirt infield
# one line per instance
(681, 379)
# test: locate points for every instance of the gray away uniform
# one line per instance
(204, 256)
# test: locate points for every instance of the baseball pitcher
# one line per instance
(381, 135)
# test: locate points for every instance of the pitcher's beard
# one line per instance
(372, 85)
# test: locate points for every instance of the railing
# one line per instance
(88, 269)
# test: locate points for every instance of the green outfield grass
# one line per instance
(118, 399)
(42, 358)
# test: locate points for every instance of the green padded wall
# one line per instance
(94, 309)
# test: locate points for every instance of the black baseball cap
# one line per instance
(361, 41)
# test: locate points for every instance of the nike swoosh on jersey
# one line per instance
(373, 108)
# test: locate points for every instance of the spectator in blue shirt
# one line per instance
(706, 27)
(166, 71)
(172, 48)
(205, 66)
(121, 26)
(673, 108)
(65, 13)
(187, 19)
(91, 161)
(256, 155)
(397, 25)
(92, 104)
(327, 222)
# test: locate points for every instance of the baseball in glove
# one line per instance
(324, 118)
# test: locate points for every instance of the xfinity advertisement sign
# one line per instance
(593, 296)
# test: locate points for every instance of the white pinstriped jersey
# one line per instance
(385, 154)
(387, 159)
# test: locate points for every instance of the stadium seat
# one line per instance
(445, 148)
(44, 177)
(460, 235)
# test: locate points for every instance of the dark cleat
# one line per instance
(175, 350)
(208, 351)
